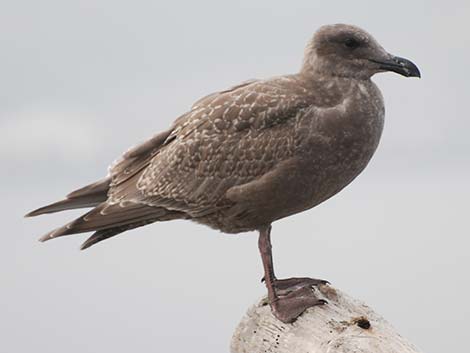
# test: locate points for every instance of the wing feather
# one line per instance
(88, 196)
(231, 139)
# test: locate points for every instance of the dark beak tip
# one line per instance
(399, 65)
(408, 67)
(416, 74)
(414, 71)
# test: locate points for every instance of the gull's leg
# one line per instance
(265, 248)
(300, 296)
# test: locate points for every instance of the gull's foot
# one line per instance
(289, 307)
(285, 286)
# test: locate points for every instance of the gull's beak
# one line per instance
(399, 65)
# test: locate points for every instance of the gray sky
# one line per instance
(81, 81)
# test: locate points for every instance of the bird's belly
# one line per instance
(335, 172)
(327, 167)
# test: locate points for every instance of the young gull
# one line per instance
(247, 156)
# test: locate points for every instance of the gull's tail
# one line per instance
(105, 219)
(108, 220)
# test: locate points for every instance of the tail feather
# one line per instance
(105, 217)
(88, 196)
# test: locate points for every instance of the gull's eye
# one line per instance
(351, 43)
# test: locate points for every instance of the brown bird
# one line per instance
(245, 157)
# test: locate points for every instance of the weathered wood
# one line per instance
(344, 325)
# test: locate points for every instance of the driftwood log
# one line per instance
(344, 325)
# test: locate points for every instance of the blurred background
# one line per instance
(81, 81)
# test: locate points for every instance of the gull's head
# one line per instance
(348, 51)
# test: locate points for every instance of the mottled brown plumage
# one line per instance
(245, 157)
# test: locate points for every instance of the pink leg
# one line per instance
(288, 298)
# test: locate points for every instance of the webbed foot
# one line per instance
(289, 307)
